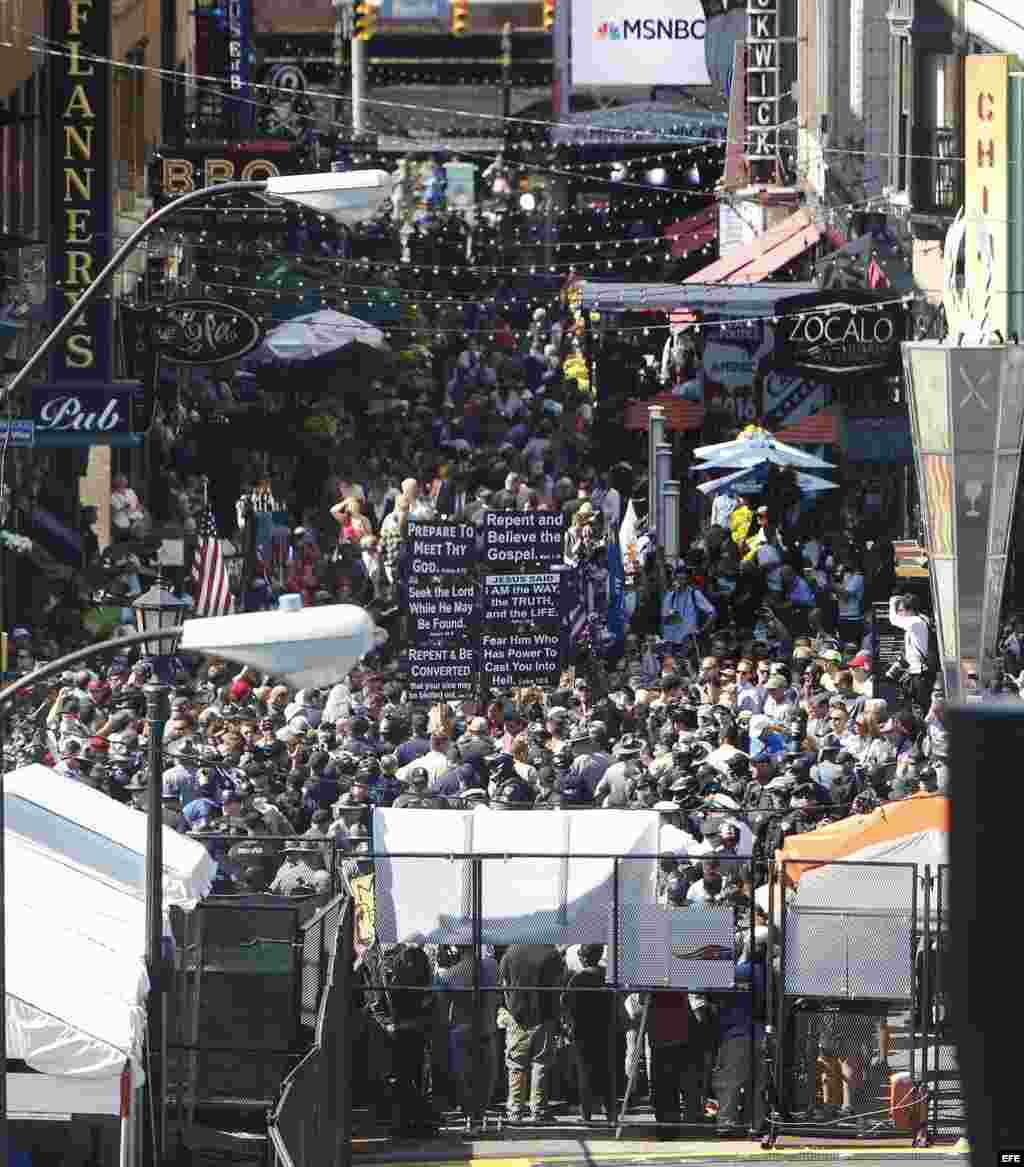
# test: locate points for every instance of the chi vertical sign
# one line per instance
(764, 87)
(986, 185)
(81, 191)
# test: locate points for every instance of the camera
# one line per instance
(898, 671)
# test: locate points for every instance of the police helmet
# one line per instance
(513, 795)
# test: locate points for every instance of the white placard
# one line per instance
(691, 947)
(541, 900)
(429, 896)
(849, 955)
(657, 42)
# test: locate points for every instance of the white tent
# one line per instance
(94, 833)
(75, 916)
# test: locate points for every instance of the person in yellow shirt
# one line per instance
(739, 523)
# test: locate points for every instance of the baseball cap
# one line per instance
(860, 661)
(832, 655)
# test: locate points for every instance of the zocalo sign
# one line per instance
(847, 336)
(85, 415)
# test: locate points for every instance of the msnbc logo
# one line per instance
(650, 30)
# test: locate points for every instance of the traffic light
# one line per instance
(460, 17)
(364, 20)
(549, 15)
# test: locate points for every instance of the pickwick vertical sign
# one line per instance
(81, 215)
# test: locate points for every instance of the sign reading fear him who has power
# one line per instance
(764, 86)
(80, 199)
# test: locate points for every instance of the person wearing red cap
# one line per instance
(863, 682)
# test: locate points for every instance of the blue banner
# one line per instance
(616, 592)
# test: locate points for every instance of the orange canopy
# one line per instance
(851, 838)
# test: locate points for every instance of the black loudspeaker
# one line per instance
(987, 744)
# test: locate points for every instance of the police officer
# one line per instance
(302, 872)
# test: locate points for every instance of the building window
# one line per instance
(857, 58)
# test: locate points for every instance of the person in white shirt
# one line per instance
(728, 750)
(903, 613)
(721, 509)
(435, 763)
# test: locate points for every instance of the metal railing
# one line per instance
(822, 1035)
(310, 1123)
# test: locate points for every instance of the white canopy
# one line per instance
(92, 832)
(76, 935)
(76, 979)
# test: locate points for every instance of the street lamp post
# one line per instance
(157, 611)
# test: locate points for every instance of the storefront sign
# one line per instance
(177, 170)
(84, 415)
(523, 598)
(81, 168)
(440, 672)
(508, 662)
(447, 610)
(763, 80)
(437, 548)
(856, 334)
(518, 538)
(202, 332)
(986, 187)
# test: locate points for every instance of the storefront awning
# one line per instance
(693, 232)
(680, 415)
(767, 254)
(819, 429)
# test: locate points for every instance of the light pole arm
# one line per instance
(63, 327)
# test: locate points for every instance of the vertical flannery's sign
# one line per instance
(81, 216)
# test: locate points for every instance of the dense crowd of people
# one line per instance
(737, 701)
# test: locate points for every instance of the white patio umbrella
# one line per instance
(742, 484)
(750, 451)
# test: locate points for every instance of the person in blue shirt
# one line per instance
(739, 1012)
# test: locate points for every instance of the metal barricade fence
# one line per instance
(806, 1038)
(310, 1122)
(251, 972)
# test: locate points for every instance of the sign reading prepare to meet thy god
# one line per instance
(437, 548)
(521, 538)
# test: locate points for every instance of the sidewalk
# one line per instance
(587, 1152)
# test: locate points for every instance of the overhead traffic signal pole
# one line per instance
(364, 25)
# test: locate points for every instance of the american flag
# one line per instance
(210, 586)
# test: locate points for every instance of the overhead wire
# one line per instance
(40, 45)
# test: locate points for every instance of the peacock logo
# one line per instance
(608, 30)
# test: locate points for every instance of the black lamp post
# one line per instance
(157, 611)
